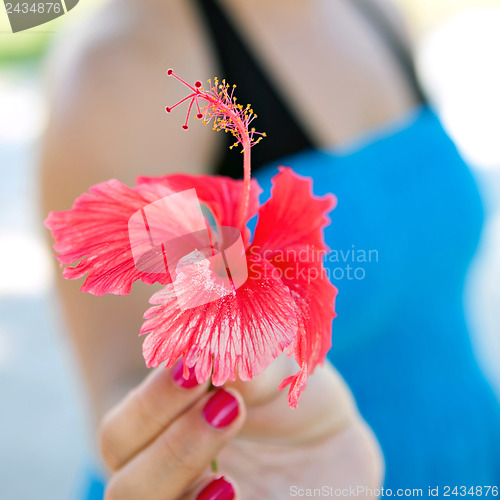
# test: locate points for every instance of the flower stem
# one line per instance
(246, 184)
(213, 463)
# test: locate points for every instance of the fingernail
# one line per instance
(218, 489)
(221, 409)
(177, 375)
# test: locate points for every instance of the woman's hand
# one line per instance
(160, 440)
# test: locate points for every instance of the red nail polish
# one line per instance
(177, 375)
(221, 409)
(218, 489)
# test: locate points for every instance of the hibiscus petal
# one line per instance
(293, 216)
(223, 195)
(95, 230)
(237, 335)
(289, 235)
(314, 298)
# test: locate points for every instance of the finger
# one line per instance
(166, 469)
(213, 487)
(145, 413)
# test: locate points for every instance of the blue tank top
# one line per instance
(407, 224)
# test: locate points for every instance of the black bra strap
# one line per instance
(393, 40)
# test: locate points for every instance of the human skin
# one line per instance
(107, 92)
(158, 444)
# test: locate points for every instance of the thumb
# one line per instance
(264, 387)
(325, 408)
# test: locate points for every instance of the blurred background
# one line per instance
(44, 439)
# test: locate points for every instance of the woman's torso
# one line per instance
(339, 80)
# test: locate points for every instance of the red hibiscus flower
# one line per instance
(283, 301)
